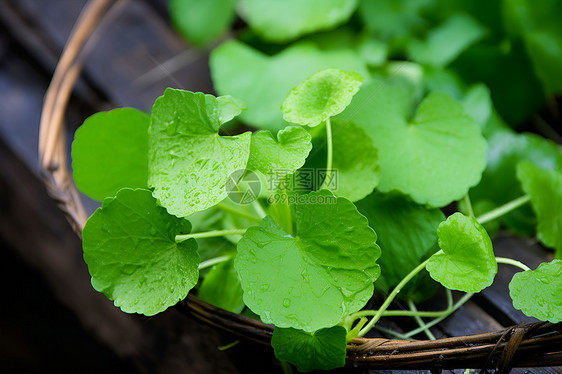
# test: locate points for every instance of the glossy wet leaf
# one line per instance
(435, 158)
(537, 292)
(545, 188)
(133, 258)
(283, 155)
(321, 96)
(505, 150)
(229, 108)
(312, 279)
(467, 262)
(282, 21)
(355, 160)
(406, 232)
(262, 82)
(324, 349)
(109, 152)
(221, 287)
(201, 22)
(445, 42)
(189, 163)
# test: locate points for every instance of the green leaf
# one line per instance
(496, 66)
(545, 188)
(538, 24)
(467, 262)
(447, 41)
(229, 108)
(373, 51)
(321, 96)
(109, 152)
(287, 154)
(133, 258)
(263, 82)
(320, 350)
(505, 150)
(282, 21)
(355, 160)
(189, 163)
(406, 232)
(537, 292)
(435, 158)
(312, 279)
(201, 22)
(221, 287)
(478, 104)
(545, 49)
(391, 19)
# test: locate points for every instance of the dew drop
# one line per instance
(287, 302)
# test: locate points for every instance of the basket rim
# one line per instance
(489, 350)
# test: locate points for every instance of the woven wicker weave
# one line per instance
(538, 344)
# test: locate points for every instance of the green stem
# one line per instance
(420, 322)
(239, 213)
(210, 234)
(259, 209)
(456, 306)
(398, 313)
(213, 261)
(286, 367)
(330, 154)
(391, 333)
(449, 298)
(228, 346)
(468, 204)
(510, 261)
(504, 209)
(391, 297)
(256, 204)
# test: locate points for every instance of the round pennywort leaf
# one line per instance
(538, 293)
(284, 155)
(466, 262)
(321, 96)
(133, 258)
(313, 278)
(110, 151)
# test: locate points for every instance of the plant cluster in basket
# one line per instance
(337, 197)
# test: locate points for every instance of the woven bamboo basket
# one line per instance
(529, 345)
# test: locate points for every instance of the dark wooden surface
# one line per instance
(52, 320)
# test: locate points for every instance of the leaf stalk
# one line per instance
(504, 209)
(210, 234)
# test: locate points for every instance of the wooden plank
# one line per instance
(140, 41)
